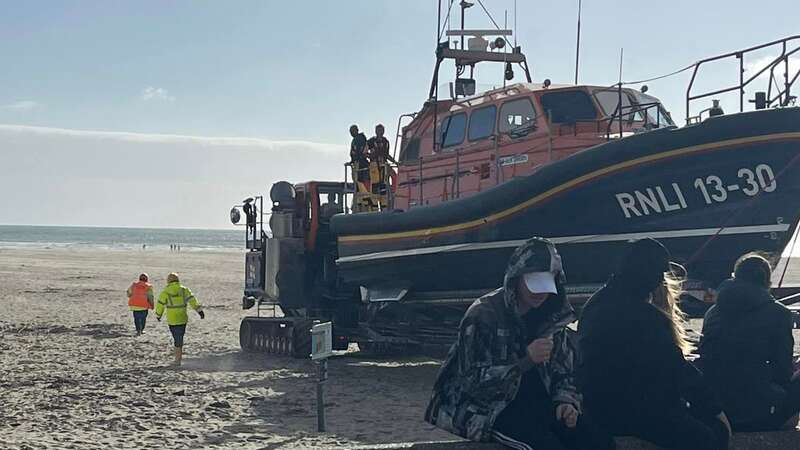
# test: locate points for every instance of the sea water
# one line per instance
(118, 238)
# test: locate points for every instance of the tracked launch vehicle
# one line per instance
(589, 167)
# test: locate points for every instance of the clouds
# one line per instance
(210, 141)
(156, 94)
(22, 105)
(85, 177)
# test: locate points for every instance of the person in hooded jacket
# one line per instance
(746, 350)
(633, 375)
(509, 376)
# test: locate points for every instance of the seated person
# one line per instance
(509, 376)
(746, 350)
(634, 376)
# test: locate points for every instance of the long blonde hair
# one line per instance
(665, 299)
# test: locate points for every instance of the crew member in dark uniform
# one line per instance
(358, 155)
(379, 153)
(250, 216)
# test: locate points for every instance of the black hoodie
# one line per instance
(746, 350)
(631, 368)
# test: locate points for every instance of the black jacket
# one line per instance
(746, 350)
(631, 370)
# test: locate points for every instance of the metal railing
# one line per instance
(789, 46)
(386, 180)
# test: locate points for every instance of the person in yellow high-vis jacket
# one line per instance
(174, 299)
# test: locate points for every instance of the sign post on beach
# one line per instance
(321, 350)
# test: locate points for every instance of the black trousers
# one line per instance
(789, 407)
(539, 430)
(679, 431)
(140, 320)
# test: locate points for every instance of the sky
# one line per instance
(165, 114)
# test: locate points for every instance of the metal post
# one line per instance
(741, 82)
(549, 135)
(496, 161)
(786, 76)
(458, 173)
(322, 368)
(420, 180)
(578, 43)
(463, 8)
(619, 106)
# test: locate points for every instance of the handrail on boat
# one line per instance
(783, 96)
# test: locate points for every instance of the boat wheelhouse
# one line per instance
(485, 140)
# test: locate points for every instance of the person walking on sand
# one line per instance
(175, 298)
(509, 377)
(140, 300)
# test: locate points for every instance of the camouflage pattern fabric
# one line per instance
(483, 370)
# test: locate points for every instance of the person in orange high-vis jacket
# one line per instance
(140, 299)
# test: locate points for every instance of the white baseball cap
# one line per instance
(540, 282)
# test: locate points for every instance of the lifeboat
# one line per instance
(590, 167)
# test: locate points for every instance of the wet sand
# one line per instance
(73, 375)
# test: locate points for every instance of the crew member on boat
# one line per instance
(379, 155)
(358, 156)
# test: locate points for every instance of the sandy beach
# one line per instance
(73, 375)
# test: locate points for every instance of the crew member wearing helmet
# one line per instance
(509, 376)
(140, 299)
(175, 298)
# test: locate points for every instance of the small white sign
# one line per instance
(513, 160)
(321, 341)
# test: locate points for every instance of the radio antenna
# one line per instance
(578, 43)
(515, 23)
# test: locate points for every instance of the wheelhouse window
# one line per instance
(517, 116)
(453, 129)
(656, 114)
(609, 100)
(410, 151)
(481, 123)
(568, 106)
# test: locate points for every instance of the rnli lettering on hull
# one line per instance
(710, 189)
(651, 200)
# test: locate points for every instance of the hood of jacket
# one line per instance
(736, 296)
(173, 288)
(535, 255)
(484, 368)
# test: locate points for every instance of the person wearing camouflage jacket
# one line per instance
(509, 376)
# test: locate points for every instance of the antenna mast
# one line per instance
(515, 23)
(578, 43)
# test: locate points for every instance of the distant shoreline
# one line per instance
(116, 238)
